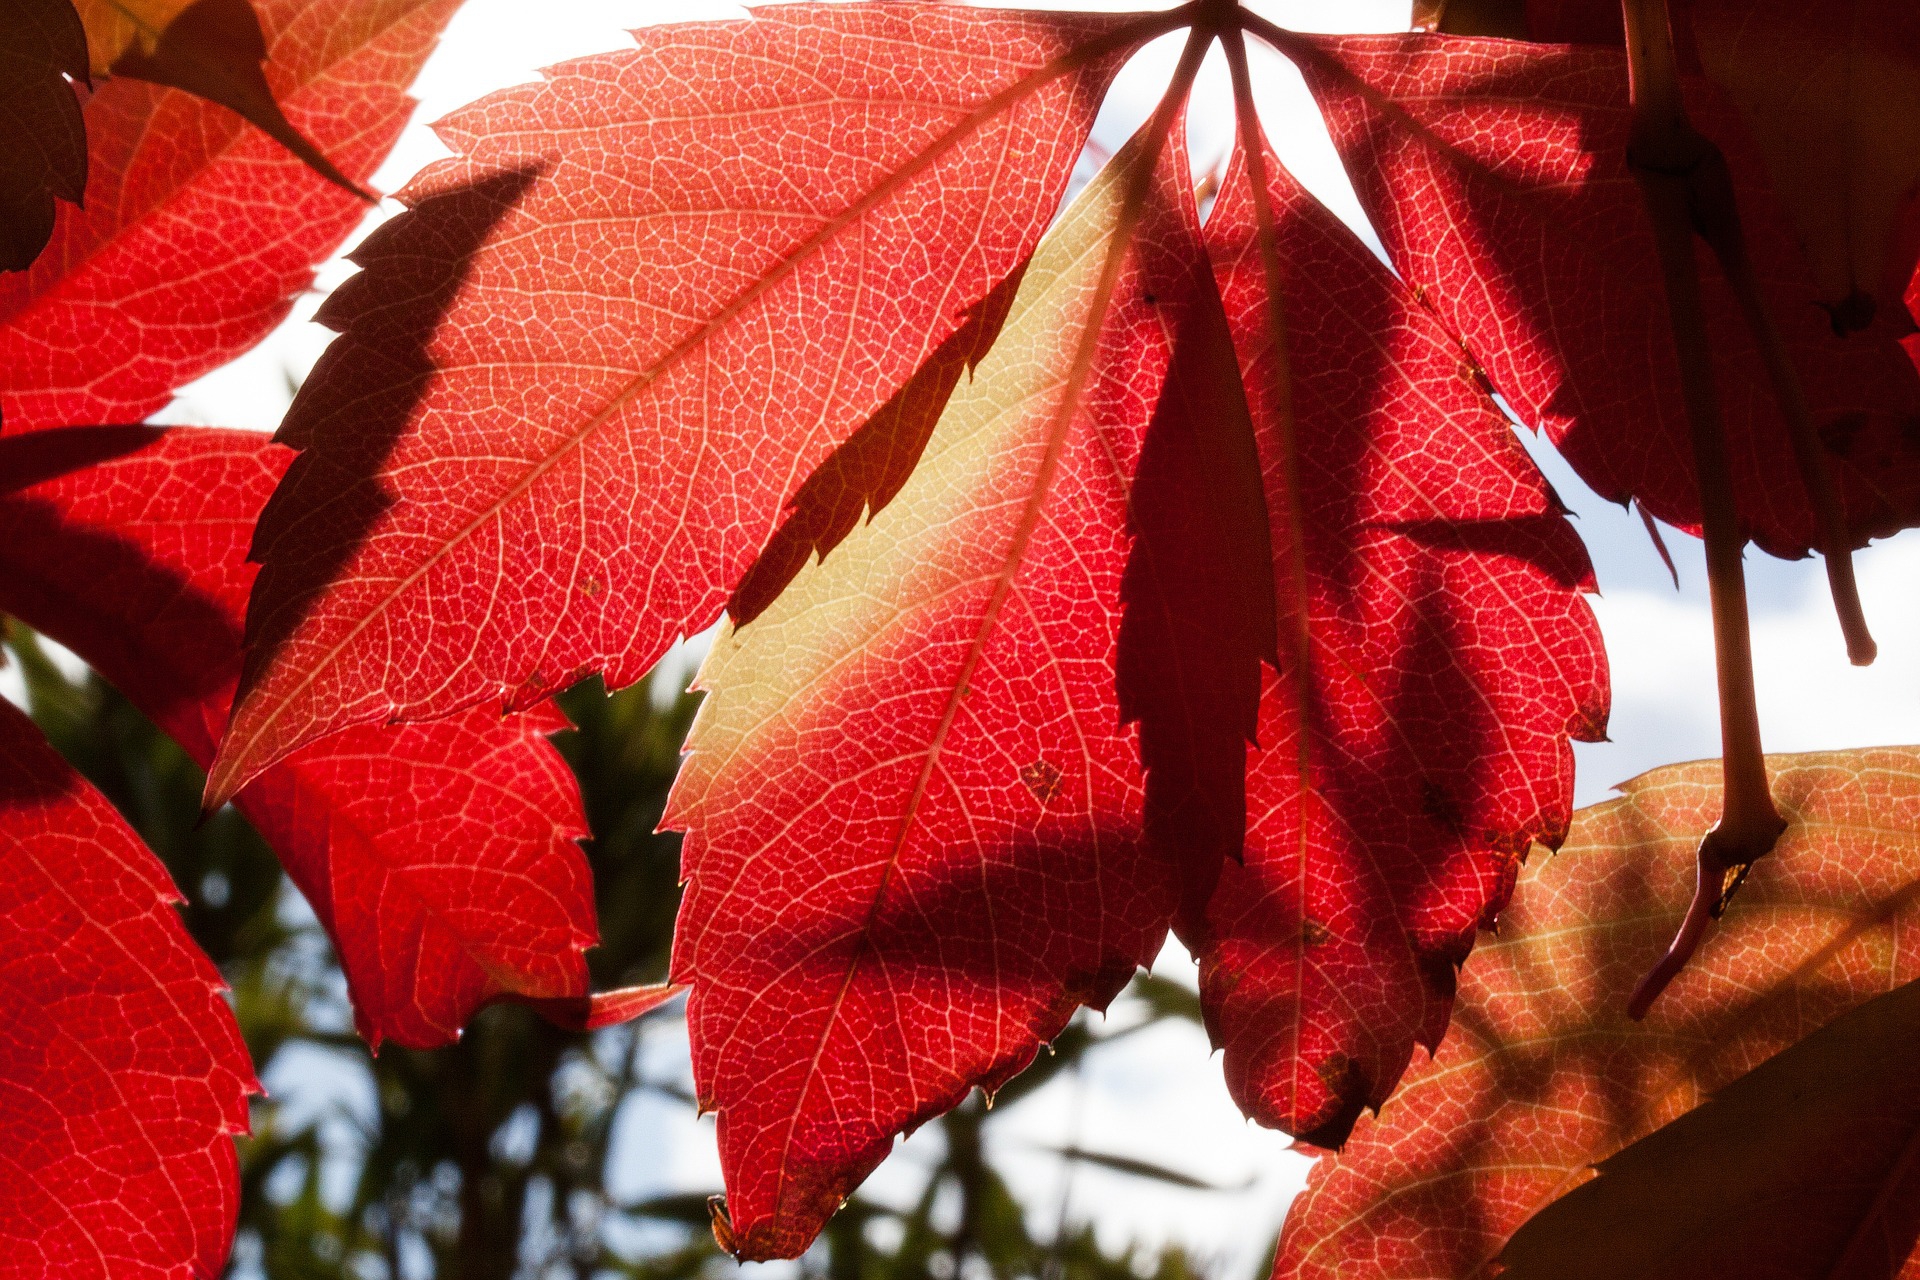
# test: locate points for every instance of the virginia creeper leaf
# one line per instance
(764, 228)
(862, 475)
(1496, 175)
(1435, 653)
(122, 1074)
(1832, 96)
(43, 141)
(914, 829)
(213, 48)
(1803, 1167)
(441, 857)
(197, 230)
(1543, 1075)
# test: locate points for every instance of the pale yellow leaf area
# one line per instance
(916, 551)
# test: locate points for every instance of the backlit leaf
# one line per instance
(1496, 174)
(1803, 1167)
(122, 1074)
(1832, 95)
(213, 48)
(441, 857)
(762, 228)
(1543, 1075)
(1435, 654)
(198, 231)
(914, 820)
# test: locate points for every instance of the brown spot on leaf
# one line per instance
(1313, 933)
(1042, 779)
(592, 587)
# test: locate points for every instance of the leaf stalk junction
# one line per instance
(1688, 191)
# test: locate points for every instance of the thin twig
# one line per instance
(1668, 157)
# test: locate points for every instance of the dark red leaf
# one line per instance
(43, 144)
(441, 857)
(1496, 174)
(1435, 654)
(122, 1074)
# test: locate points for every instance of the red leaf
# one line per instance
(122, 1074)
(1436, 653)
(914, 820)
(43, 147)
(761, 229)
(198, 230)
(1496, 174)
(1199, 605)
(441, 857)
(1544, 1076)
(216, 49)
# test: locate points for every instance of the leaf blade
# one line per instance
(1543, 1075)
(171, 270)
(123, 1071)
(1448, 656)
(922, 187)
(896, 898)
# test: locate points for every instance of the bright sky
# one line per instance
(1159, 1096)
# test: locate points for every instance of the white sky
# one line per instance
(1159, 1096)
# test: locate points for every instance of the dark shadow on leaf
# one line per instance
(864, 474)
(362, 396)
(43, 138)
(103, 597)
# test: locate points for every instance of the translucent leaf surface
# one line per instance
(914, 820)
(577, 384)
(122, 1074)
(198, 230)
(441, 857)
(1435, 654)
(1543, 1075)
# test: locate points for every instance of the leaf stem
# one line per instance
(1665, 142)
(1723, 234)
(1667, 157)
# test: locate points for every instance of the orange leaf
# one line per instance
(1543, 1075)
(1804, 1167)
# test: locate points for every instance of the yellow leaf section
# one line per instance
(114, 26)
(905, 556)
(1832, 95)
